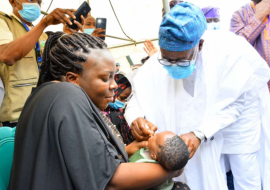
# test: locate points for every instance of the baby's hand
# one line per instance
(135, 146)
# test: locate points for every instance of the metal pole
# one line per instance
(166, 6)
(43, 12)
(133, 42)
(129, 44)
(130, 60)
(115, 37)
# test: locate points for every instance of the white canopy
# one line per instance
(140, 19)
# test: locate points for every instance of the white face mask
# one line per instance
(213, 26)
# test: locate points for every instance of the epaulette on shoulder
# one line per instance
(5, 15)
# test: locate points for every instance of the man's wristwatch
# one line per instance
(199, 135)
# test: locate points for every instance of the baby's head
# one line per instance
(169, 150)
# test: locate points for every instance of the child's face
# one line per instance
(156, 140)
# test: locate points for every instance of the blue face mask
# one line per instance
(117, 104)
(178, 72)
(30, 11)
(213, 26)
(89, 30)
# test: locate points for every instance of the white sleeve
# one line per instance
(223, 118)
(133, 110)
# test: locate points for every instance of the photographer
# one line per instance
(90, 27)
(21, 47)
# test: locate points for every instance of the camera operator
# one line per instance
(21, 46)
(90, 27)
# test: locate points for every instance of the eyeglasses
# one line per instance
(210, 20)
(166, 62)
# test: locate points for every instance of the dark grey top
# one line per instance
(63, 143)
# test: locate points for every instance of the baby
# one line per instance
(166, 148)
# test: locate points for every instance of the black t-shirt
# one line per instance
(62, 142)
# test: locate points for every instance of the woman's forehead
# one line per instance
(100, 59)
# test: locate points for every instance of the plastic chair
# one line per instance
(7, 135)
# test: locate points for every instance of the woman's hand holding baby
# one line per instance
(141, 129)
(178, 172)
(135, 146)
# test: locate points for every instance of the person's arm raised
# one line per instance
(149, 48)
(68, 30)
(129, 176)
(250, 30)
(19, 48)
(97, 33)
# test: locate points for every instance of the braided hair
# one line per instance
(63, 53)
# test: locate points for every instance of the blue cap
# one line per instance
(117, 64)
(182, 28)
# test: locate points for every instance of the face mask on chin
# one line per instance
(178, 72)
(117, 104)
(30, 11)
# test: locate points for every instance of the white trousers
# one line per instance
(245, 169)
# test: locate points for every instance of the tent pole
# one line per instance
(166, 6)
(129, 44)
(115, 37)
(130, 60)
(43, 12)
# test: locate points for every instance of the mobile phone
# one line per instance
(84, 9)
(101, 23)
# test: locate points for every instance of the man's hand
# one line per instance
(68, 30)
(97, 33)
(58, 16)
(140, 131)
(149, 48)
(262, 10)
(192, 143)
(135, 146)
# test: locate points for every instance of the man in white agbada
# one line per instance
(210, 88)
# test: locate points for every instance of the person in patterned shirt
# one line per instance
(252, 21)
(115, 110)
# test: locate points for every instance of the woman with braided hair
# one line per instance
(62, 140)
